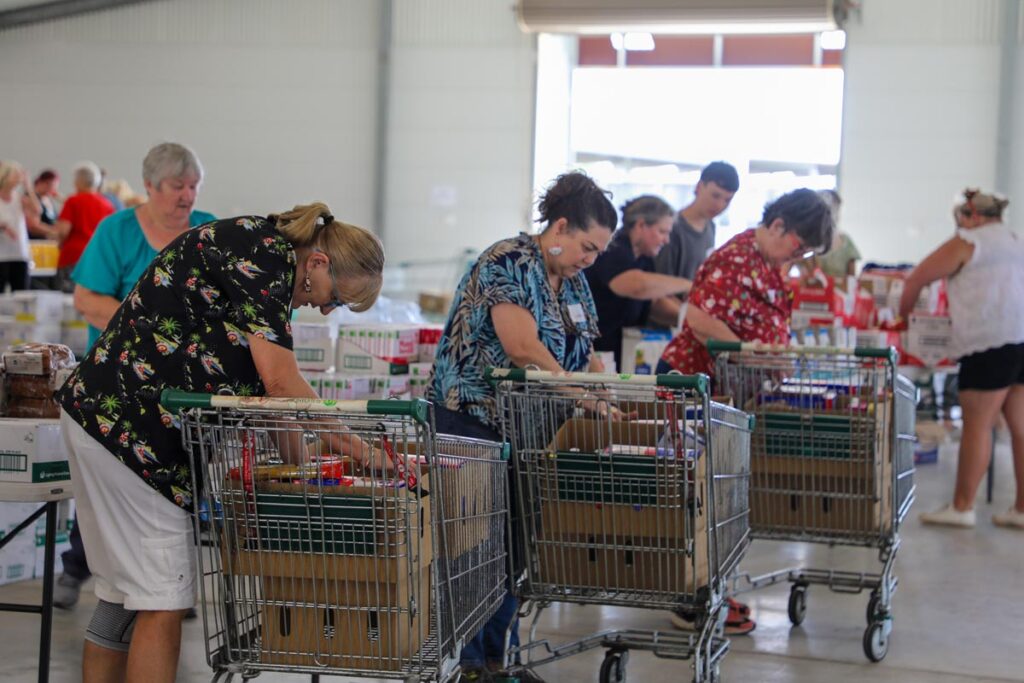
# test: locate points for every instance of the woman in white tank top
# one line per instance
(17, 200)
(985, 266)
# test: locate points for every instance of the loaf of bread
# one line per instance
(38, 408)
(37, 359)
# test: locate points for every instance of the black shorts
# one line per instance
(993, 369)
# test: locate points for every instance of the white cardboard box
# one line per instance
(642, 349)
(18, 558)
(32, 452)
(930, 338)
(34, 306)
(315, 345)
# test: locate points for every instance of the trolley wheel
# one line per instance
(797, 604)
(872, 611)
(613, 668)
(876, 643)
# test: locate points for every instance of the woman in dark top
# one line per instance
(210, 314)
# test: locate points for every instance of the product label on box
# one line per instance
(24, 363)
(12, 461)
(57, 470)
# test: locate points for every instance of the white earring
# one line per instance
(554, 251)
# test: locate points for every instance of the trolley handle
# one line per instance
(174, 399)
(695, 382)
(888, 352)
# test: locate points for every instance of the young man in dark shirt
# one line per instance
(693, 235)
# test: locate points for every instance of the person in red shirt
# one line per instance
(78, 219)
(740, 293)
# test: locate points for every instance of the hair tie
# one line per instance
(325, 219)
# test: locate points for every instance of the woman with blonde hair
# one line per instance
(984, 264)
(210, 314)
(17, 203)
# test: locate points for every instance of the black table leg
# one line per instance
(45, 630)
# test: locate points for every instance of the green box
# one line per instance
(620, 479)
(816, 435)
(337, 525)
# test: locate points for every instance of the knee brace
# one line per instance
(111, 626)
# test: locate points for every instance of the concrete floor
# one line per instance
(955, 613)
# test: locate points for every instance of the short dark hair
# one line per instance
(575, 197)
(647, 208)
(46, 176)
(804, 212)
(722, 174)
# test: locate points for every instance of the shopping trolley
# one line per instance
(832, 461)
(630, 491)
(319, 568)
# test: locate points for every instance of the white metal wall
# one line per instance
(460, 131)
(920, 119)
(276, 96)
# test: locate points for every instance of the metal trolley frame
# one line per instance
(311, 569)
(832, 461)
(630, 491)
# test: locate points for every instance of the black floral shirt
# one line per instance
(183, 326)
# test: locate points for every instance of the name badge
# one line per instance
(576, 313)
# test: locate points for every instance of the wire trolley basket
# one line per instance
(314, 565)
(630, 491)
(832, 461)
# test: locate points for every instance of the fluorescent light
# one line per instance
(633, 42)
(832, 40)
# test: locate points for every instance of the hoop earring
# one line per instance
(554, 251)
(307, 286)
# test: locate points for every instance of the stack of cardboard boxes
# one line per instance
(344, 576)
(626, 523)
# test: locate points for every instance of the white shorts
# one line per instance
(139, 545)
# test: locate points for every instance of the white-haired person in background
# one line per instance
(119, 252)
(984, 264)
(78, 219)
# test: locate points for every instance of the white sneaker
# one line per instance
(949, 516)
(1012, 518)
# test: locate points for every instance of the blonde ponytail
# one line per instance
(357, 256)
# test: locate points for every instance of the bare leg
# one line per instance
(981, 407)
(100, 665)
(1013, 411)
(156, 644)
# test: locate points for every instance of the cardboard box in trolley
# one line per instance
(366, 548)
(826, 471)
(585, 541)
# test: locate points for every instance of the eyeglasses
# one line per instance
(336, 302)
(801, 250)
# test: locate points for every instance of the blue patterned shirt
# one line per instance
(511, 271)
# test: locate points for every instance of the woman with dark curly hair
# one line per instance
(524, 302)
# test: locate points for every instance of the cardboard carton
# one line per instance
(629, 531)
(377, 623)
(828, 473)
(324, 558)
(32, 452)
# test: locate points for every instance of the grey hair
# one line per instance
(89, 174)
(170, 160)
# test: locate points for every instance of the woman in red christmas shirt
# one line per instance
(740, 294)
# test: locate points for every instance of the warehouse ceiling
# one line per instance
(25, 12)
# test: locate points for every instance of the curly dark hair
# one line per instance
(575, 197)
